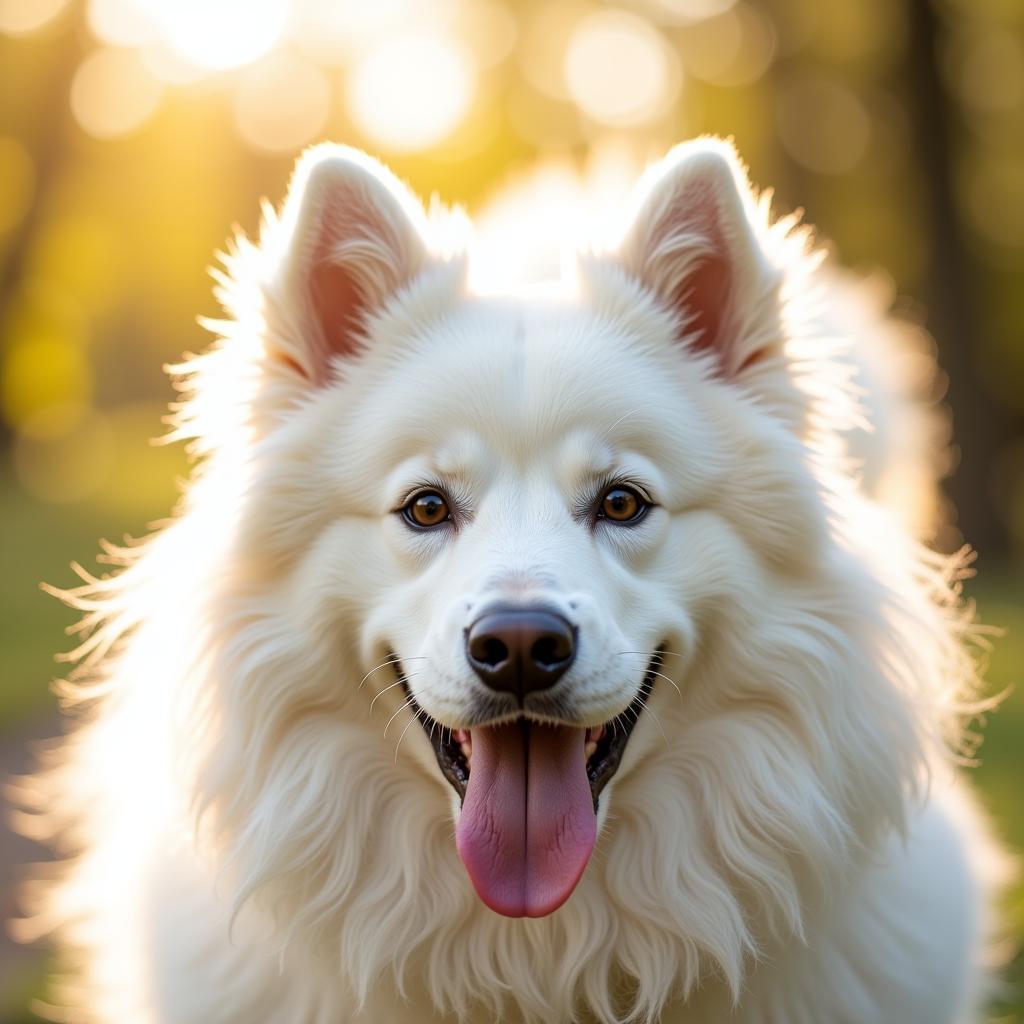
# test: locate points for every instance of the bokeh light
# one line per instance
(282, 103)
(113, 94)
(491, 27)
(218, 34)
(334, 33)
(410, 92)
(732, 49)
(689, 11)
(121, 22)
(545, 32)
(823, 124)
(619, 70)
(20, 17)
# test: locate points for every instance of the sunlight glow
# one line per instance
(619, 70)
(219, 34)
(688, 11)
(531, 229)
(112, 93)
(20, 17)
(121, 22)
(335, 32)
(282, 103)
(411, 92)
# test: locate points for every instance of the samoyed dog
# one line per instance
(544, 656)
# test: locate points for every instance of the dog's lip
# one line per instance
(601, 766)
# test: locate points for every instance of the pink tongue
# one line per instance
(527, 825)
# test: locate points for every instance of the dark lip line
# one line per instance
(602, 766)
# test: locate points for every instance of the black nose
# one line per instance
(519, 650)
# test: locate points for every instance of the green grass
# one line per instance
(41, 541)
(999, 777)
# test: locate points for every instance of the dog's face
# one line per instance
(527, 510)
(531, 504)
(552, 565)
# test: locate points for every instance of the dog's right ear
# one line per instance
(351, 235)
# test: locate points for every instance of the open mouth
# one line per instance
(529, 791)
(604, 745)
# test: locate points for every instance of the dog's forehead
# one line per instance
(549, 386)
(575, 456)
(526, 372)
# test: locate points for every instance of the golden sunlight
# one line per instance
(20, 17)
(619, 70)
(218, 34)
(412, 91)
(112, 93)
(282, 103)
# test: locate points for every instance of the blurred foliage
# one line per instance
(135, 133)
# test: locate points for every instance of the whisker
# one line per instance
(661, 675)
(384, 664)
(397, 682)
(656, 660)
(657, 656)
(385, 690)
(407, 704)
(415, 718)
(657, 721)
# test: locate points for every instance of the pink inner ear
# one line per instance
(338, 304)
(703, 297)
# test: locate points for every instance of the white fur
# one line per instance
(784, 842)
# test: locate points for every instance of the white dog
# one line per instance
(535, 657)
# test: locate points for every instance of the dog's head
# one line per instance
(575, 546)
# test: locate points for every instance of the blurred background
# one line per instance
(135, 133)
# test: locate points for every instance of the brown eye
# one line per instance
(428, 508)
(622, 505)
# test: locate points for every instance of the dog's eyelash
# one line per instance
(457, 501)
(586, 505)
(417, 488)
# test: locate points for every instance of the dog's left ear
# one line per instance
(352, 236)
(693, 241)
